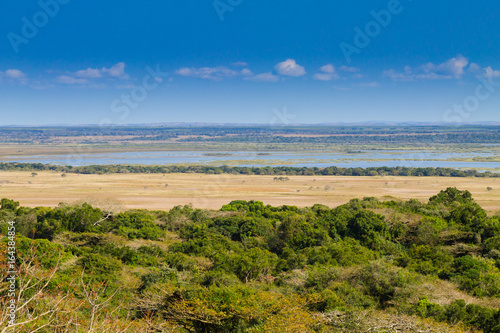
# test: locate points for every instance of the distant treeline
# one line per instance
(435, 138)
(242, 170)
(363, 135)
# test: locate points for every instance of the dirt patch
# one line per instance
(212, 191)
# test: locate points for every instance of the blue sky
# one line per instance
(242, 61)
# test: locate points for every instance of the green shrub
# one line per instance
(100, 268)
(477, 276)
(165, 274)
(381, 281)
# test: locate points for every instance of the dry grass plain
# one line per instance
(151, 191)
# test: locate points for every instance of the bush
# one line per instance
(472, 315)
(477, 276)
(426, 260)
(165, 274)
(100, 268)
(381, 282)
(7, 204)
(136, 224)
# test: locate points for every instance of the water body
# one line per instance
(362, 159)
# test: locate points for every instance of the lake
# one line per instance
(363, 159)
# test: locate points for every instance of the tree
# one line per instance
(9, 204)
(254, 263)
(381, 282)
(470, 216)
(450, 196)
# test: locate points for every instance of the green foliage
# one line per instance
(239, 228)
(181, 262)
(271, 171)
(477, 276)
(451, 196)
(368, 227)
(381, 282)
(473, 315)
(320, 277)
(165, 274)
(100, 268)
(426, 309)
(78, 218)
(247, 206)
(42, 251)
(470, 216)
(136, 224)
(249, 265)
(297, 233)
(426, 260)
(219, 278)
(252, 267)
(7, 204)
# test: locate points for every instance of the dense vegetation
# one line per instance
(418, 135)
(281, 170)
(366, 266)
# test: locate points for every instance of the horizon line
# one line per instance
(220, 124)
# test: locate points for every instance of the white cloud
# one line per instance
(15, 74)
(209, 73)
(184, 71)
(246, 72)
(264, 77)
(490, 73)
(239, 64)
(349, 69)
(396, 76)
(328, 69)
(325, 76)
(290, 67)
(117, 70)
(90, 73)
(64, 79)
(328, 73)
(474, 68)
(453, 67)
